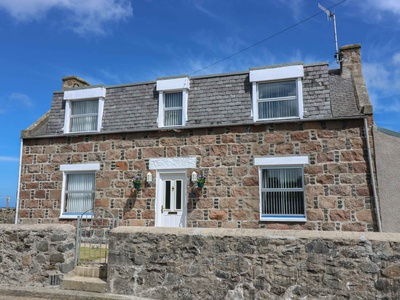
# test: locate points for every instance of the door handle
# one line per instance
(162, 208)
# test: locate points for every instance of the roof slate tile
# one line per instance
(213, 100)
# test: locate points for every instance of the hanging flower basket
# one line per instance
(137, 182)
(201, 180)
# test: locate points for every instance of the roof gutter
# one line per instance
(376, 202)
(196, 127)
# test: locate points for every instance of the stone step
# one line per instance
(90, 271)
(82, 283)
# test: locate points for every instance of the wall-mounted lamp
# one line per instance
(193, 177)
(149, 178)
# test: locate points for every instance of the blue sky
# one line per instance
(121, 41)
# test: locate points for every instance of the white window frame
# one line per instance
(172, 85)
(74, 169)
(97, 93)
(281, 163)
(267, 75)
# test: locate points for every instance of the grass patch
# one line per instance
(92, 253)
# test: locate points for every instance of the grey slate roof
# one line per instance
(343, 98)
(222, 99)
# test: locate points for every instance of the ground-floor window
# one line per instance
(78, 190)
(282, 193)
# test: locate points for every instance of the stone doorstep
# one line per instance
(82, 283)
(99, 271)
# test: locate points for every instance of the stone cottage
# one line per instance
(281, 147)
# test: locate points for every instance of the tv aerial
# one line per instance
(332, 16)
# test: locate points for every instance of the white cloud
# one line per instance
(21, 99)
(88, 16)
(383, 85)
(392, 6)
(296, 7)
(15, 101)
(8, 159)
(378, 10)
(396, 58)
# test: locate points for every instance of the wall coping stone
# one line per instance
(36, 227)
(283, 234)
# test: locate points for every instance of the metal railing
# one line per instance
(92, 236)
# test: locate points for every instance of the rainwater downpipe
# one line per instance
(19, 182)
(376, 204)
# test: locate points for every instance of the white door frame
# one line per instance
(178, 174)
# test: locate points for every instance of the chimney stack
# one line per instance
(350, 67)
(70, 82)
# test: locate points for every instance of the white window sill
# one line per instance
(171, 126)
(284, 218)
(278, 119)
(75, 216)
(89, 131)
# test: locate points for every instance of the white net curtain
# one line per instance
(282, 191)
(173, 109)
(84, 115)
(277, 99)
(80, 192)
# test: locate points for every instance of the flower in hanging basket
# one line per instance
(137, 182)
(201, 180)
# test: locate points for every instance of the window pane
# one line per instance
(173, 117)
(80, 192)
(167, 201)
(277, 89)
(84, 107)
(278, 109)
(173, 100)
(173, 109)
(283, 178)
(84, 115)
(178, 194)
(282, 191)
(269, 103)
(79, 124)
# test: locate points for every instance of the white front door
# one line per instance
(171, 200)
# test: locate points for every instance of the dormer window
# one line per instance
(173, 109)
(172, 105)
(84, 110)
(277, 93)
(84, 115)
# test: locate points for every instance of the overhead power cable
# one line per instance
(266, 39)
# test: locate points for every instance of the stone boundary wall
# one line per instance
(7, 215)
(35, 255)
(194, 263)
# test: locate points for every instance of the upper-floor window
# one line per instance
(84, 110)
(173, 98)
(277, 99)
(173, 109)
(277, 93)
(84, 115)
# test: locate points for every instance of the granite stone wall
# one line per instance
(194, 263)
(35, 255)
(337, 180)
(7, 215)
